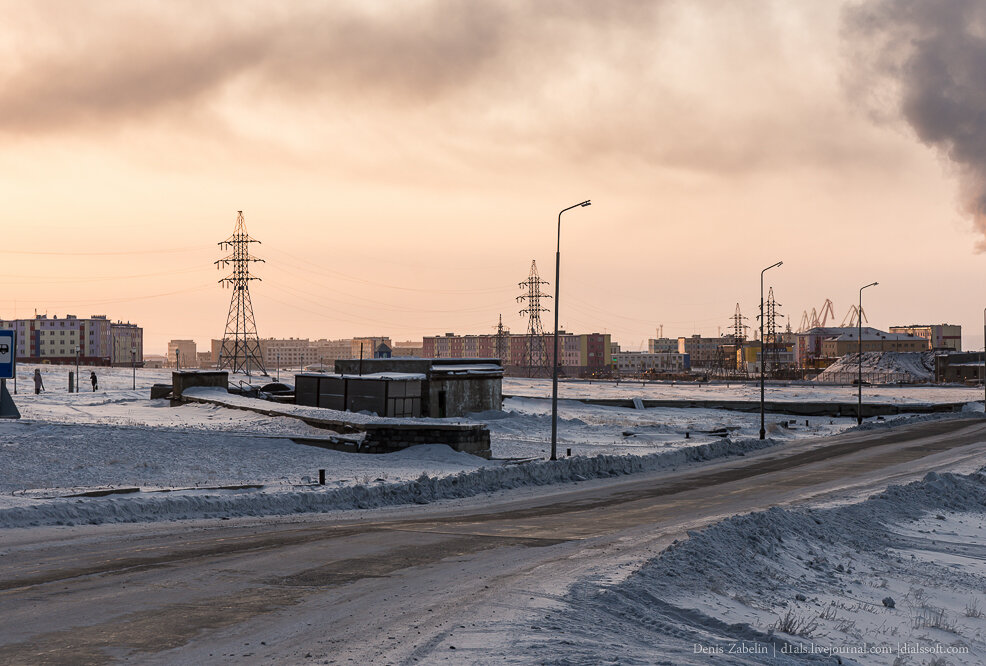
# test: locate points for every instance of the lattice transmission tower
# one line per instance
(739, 328)
(535, 353)
(771, 343)
(501, 342)
(240, 351)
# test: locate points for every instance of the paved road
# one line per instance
(401, 585)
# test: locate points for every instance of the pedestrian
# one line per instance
(92, 378)
(39, 385)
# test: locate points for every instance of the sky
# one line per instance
(403, 163)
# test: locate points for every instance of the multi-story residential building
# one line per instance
(128, 344)
(183, 354)
(701, 351)
(585, 353)
(663, 346)
(287, 352)
(637, 363)
(367, 346)
(939, 336)
(407, 348)
(95, 341)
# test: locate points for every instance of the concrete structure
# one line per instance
(187, 356)
(451, 387)
(54, 340)
(183, 379)
(637, 363)
(939, 336)
(585, 354)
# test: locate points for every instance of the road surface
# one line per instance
(455, 581)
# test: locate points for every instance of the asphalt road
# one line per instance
(430, 583)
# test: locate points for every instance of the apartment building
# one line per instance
(94, 340)
(182, 354)
(584, 353)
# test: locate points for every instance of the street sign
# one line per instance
(8, 355)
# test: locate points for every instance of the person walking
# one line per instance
(92, 378)
(39, 385)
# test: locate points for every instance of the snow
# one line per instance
(768, 587)
(884, 366)
(789, 391)
(118, 438)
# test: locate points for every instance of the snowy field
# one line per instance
(67, 444)
(775, 391)
(897, 579)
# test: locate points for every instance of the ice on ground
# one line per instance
(897, 579)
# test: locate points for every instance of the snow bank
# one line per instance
(216, 504)
(902, 367)
(848, 578)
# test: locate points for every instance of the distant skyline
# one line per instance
(403, 163)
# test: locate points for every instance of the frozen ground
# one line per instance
(897, 579)
(776, 391)
(119, 438)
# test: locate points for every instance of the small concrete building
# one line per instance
(448, 386)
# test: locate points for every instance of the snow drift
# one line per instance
(219, 504)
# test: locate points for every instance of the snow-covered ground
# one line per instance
(775, 391)
(897, 579)
(117, 437)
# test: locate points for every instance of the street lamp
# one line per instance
(133, 363)
(859, 332)
(763, 350)
(554, 359)
(77, 349)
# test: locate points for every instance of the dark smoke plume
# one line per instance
(925, 60)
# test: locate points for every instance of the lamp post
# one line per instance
(133, 363)
(763, 350)
(77, 349)
(554, 358)
(859, 333)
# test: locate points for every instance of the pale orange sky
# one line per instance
(402, 163)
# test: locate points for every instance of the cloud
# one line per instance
(711, 87)
(925, 61)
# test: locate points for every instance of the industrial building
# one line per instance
(938, 336)
(406, 387)
(93, 341)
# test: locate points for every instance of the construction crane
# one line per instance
(817, 319)
(853, 315)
